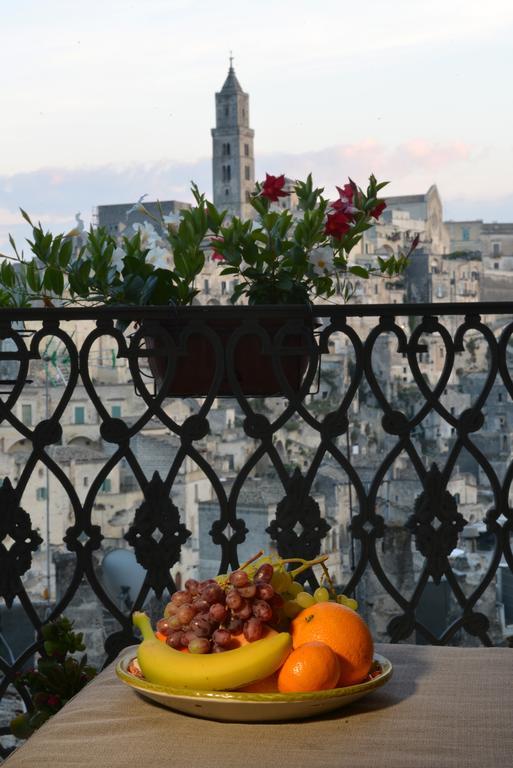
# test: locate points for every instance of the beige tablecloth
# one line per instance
(443, 707)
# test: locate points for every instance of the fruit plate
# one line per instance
(235, 706)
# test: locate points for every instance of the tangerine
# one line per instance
(344, 631)
(266, 685)
(311, 667)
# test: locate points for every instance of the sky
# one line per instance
(106, 100)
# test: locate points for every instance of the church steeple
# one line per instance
(233, 162)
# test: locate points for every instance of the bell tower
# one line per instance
(233, 161)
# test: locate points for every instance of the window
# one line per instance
(41, 493)
(226, 149)
(79, 414)
(227, 172)
(26, 415)
(246, 150)
(496, 249)
(226, 192)
(457, 498)
(247, 173)
(206, 286)
(226, 111)
(85, 481)
(499, 397)
(106, 486)
(496, 265)
(223, 287)
(115, 411)
(465, 233)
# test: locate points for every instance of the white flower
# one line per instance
(118, 256)
(160, 258)
(171, 219)
(322, 261)
(137, 207)
(149, 235)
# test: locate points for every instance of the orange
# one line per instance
(266, 685)
(311, 667)
(344, 631)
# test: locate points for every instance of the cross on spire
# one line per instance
(231, 59)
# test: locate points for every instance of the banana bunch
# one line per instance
(163, 665)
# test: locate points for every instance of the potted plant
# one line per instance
(280, 256)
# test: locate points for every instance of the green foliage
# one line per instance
(57, 678)
(276, 257)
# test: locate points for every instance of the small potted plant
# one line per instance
(289, 256)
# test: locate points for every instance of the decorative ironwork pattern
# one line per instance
(359, 347)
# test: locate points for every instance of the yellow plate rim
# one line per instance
(350, 690)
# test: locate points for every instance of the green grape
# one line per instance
(321, 595)
(291, 609)
(295, 588)
(347, 601)
(305, 600)
(281, 581)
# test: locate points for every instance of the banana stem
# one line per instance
(143, 624)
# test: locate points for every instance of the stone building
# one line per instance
(233, 160)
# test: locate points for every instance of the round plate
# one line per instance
(234, 706)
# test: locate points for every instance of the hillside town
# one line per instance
(456, 261)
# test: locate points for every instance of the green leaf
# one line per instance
(359, 271)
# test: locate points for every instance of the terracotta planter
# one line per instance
(195, 357)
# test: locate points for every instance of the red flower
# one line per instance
(337, 224)
(272, 188)
(345, 202)
(378, 209)
(53, 700)
(216, 256)
(346, 193)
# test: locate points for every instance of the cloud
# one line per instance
(415, 162)
(54, 195)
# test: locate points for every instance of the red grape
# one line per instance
(201, 625)
(218, 612)
(245, 611)
(253, 629)
(175, 640)
(239, 578)
(222, 637)
(180, 598)
(234, 600)
(262, 610)
(264, 573)
(235, 626)
(164, 627)
(191, 585)
(213, 593)
(265, 591)
(186, 613)
(249, 591)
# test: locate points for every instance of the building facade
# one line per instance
(233, 159)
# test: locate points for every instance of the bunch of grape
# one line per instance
(206, 615)
(297, 599)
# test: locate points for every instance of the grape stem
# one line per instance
(305, 564)
(251, 560)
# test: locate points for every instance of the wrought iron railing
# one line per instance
(365, 431)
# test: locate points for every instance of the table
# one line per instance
(444, 707)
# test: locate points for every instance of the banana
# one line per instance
(163, 665)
